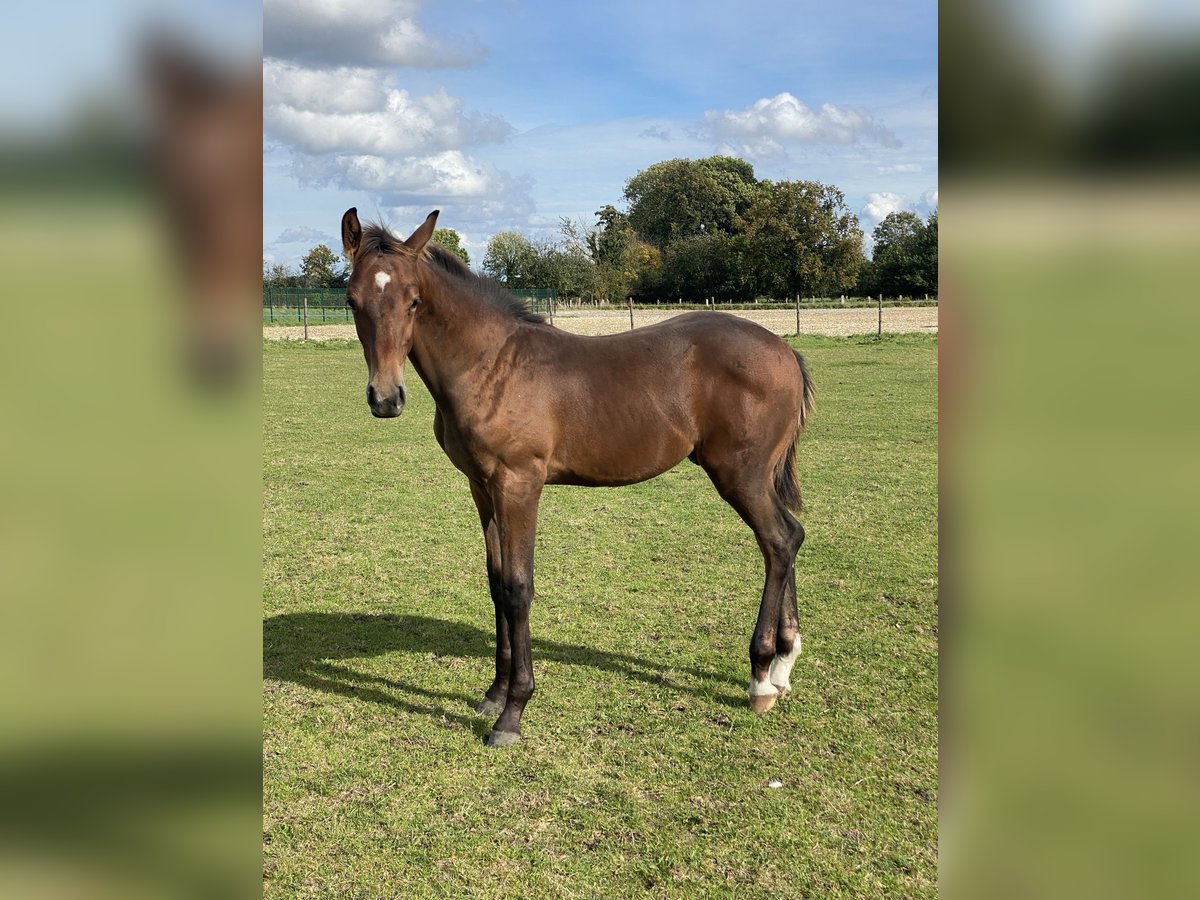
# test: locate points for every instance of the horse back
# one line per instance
(623, 408)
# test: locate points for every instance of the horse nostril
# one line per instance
(370, 395)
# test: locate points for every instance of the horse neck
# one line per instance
(456, 334)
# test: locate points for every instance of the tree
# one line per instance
(698, 266)
(571, 274)
(611, 246)
(277, 275)
(449, 238)
(509, 258)
(682, 197)
(797, 237)
(647, 263)
(927, 255)
(905, 258)
(321, 268)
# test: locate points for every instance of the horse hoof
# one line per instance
(489, 707)
(502, 738)
(763, 702)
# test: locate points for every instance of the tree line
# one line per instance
(696, 229)
(709, 228)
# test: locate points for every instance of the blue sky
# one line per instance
(509, 114)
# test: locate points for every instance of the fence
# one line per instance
(327, 306)
(286, 306)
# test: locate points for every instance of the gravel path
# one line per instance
(836, 322)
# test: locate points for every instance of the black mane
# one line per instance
(376, 238)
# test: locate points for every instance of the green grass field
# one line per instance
(643, 771)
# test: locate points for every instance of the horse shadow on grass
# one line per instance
(304, 649)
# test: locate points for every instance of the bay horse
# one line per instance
(522, 404)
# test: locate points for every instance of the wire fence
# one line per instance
(327, 306)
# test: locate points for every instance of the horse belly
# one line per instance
(610, 453)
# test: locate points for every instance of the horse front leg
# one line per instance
(515, 501)
(497, 692)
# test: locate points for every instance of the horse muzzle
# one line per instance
(386, 406)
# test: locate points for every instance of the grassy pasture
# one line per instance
(643, 772)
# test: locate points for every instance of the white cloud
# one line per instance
(340, 90)
(398, 125)
(332, 102)
(359, 33)
(881, 204)
(899, 168)
(766, 127)
(449, 178)
(878, 207)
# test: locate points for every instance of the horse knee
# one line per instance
(517, 595)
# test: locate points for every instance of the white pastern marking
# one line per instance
(382, 280)
(762, 689)
(781, 667)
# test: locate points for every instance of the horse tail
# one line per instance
(809, 401)
(787, 488)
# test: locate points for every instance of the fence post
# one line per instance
(880, 331)
(797, 314)
(551, 298)
(306, 318)
(630, 299)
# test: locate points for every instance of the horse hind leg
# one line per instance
(776, 641)
(787, 635)
(754, 498)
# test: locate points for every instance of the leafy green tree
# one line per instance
(322, 268)
(611, 244)
(449, 238)
(573, 273)
(698, 266)
(927, 255)
(647, 264)
(868, 280)
(905, 257)
(509, 258)
(682, 197)
(797, 237)
(278, 275)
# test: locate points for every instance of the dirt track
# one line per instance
(837, 322)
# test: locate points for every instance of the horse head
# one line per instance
(384, 294)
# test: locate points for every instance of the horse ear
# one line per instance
(419, 238)
(351, 232)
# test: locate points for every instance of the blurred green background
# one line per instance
(130, 629)
(1069, 484)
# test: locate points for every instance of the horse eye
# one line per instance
(416, 300)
